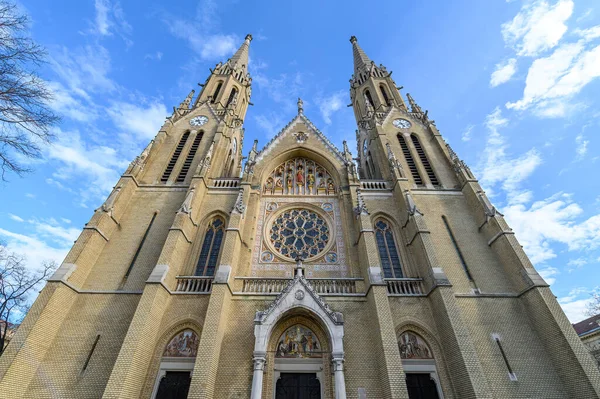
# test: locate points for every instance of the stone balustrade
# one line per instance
(322, 286)
(194, 284)
(404, 286)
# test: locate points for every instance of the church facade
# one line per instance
(300, 273)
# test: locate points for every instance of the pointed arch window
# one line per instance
(423, 157)
(384, 94)
(369, 98)
(410, 161)
(217, 90)
(388, 252)
(232, 95)
(211, 247)
(190, 157)
(174, 157)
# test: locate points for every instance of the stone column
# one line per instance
(340, 382)
(257, 379)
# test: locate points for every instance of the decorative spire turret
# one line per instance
(240, 58)
(414, 107)
(363, 66)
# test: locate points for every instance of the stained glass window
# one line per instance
(390, 259)
(300, 233)
(209, 254)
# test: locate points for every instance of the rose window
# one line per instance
(299, 233)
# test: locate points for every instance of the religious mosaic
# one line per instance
(300, 176)
(184, 344)
(413, 346)
(298, 341)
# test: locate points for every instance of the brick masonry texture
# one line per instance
(135, 315)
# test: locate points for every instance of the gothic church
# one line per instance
(300, 273)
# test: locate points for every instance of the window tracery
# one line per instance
(300, 176)
(299, 233)
(390, 260)
(209, 254)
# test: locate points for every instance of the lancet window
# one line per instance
(217, 90)
(421, 152)
(300, 176)
(211, 246)
(384, 94)
(388, 253)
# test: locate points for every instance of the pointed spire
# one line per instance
(241, 56)
(361, 60)
(414, 107)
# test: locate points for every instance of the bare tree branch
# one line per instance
(17, 284)
(593, 308)
(25, 116)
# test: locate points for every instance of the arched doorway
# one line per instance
(300, 361)
(301, 339)
(176, 365)
(422, 379)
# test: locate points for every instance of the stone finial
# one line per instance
(299, 267)
(361, 207)
(239, 206)
(353, 39)
(248, 38)
(300, 106)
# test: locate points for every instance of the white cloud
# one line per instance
(548, 274)
(68, 105)
(576, 263)
(504, 71)
(497, 168)
(537, 27)
(582, 146)
(574, 308)
(552, 81)
(84, 70)
(271, 123)
(142, 121)
(95, 168)
(33, 248)
(466, 135)
(110, 17)
(16, 218)
(154, 56)
(552, 220)
(588, 34)
(283, 89)
(329, 105)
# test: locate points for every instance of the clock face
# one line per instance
(365, 147)
(401, 123)
(199, 120)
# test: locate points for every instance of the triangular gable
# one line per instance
(300, 118)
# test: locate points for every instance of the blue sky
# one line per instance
(512, 85)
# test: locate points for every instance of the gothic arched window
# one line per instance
(209, 254)
(217, 90)
(232, 95)
(369, 98)
(388, 253)
(410, 161)
(428, 169)
(384, 94)
(190, 157)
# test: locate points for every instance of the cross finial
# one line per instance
(300, 106)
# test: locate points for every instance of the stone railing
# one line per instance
(194, 284)
(226, 183)
(322, 286)
(404, 286)
(373, 185)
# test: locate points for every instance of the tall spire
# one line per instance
(361, 60)
(241, 56)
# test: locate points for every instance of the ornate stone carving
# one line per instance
(361, 207)
(239, 206)
(109, 204)
(186, 206)
(411, 206)
(300, 176)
